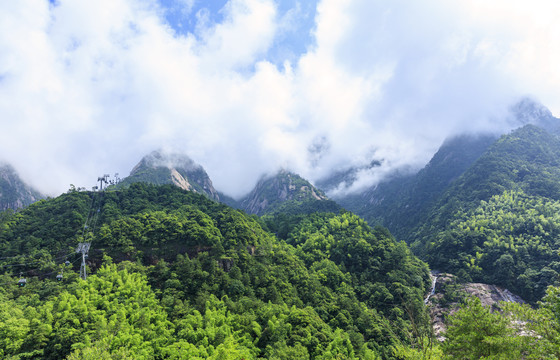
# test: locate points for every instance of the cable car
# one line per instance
(22, 282)
(59, 277)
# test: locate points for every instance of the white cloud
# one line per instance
(246, 32)
(89, 88)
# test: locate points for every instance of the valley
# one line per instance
(177, 269)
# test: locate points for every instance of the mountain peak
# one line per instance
(528, 111)
(158, 158)
(14, 193)
(159, 167)
(274, 192)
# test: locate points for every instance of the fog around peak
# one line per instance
(246, 87)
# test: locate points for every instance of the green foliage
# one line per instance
(474, 332)
(427, 351)
(540, 326)
(14, 327)
(52, 225)
(498, 221)
(206, 281)
(509, 240)
(513, 330)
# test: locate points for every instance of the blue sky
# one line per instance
(184, 16)
(246, 87)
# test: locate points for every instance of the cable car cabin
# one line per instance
(22, 282)
(59, 277)
(67, 263)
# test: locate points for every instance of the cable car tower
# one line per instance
(103, 179)
(83, 248)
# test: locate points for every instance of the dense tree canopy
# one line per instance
(510, 240)
(189, 276)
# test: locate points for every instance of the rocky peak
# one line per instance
(14, 193)
(271, 192)
(172, 168)
(528, 111)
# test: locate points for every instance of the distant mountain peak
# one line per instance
(342, 180)
(159, 158)
(159, 167)
(528, 111)
(14, 193)
(273, 192)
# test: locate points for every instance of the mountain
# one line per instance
(530, 112)
(484, 208)
(175, 275)
(286, 192)
(14, 193)
(169, 168)
(345, 178)
(499, 222)
(401, 202)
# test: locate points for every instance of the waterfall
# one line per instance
(434, 277)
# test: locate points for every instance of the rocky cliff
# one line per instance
(447, 293)
(172, 168)
(14, 193)
(284, 188)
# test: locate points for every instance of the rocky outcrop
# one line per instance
(271, 192)
(447, 294)
(172, 168)
(14, 193)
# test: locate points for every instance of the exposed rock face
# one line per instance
(273, 191)
(14, 193)
(180, 170)
(448, 293)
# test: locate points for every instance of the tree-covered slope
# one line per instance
(205, 281)
(498, 222)
(401, 202)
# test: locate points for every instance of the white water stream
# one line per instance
(434, 276)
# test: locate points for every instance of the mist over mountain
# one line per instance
(160, 167)
(401, 201)
(246, 87)
(14, 193)
(355, 180)
(528, 111)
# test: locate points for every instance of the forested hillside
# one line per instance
(402, 202)
(498, 222)
(175, 275)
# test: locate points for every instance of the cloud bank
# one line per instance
(90, 88)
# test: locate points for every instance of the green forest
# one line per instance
(175, 275)
(498, 222)
(484, 209)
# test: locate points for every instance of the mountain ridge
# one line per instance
(180, 170)
(14, 193)
(285, 189)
